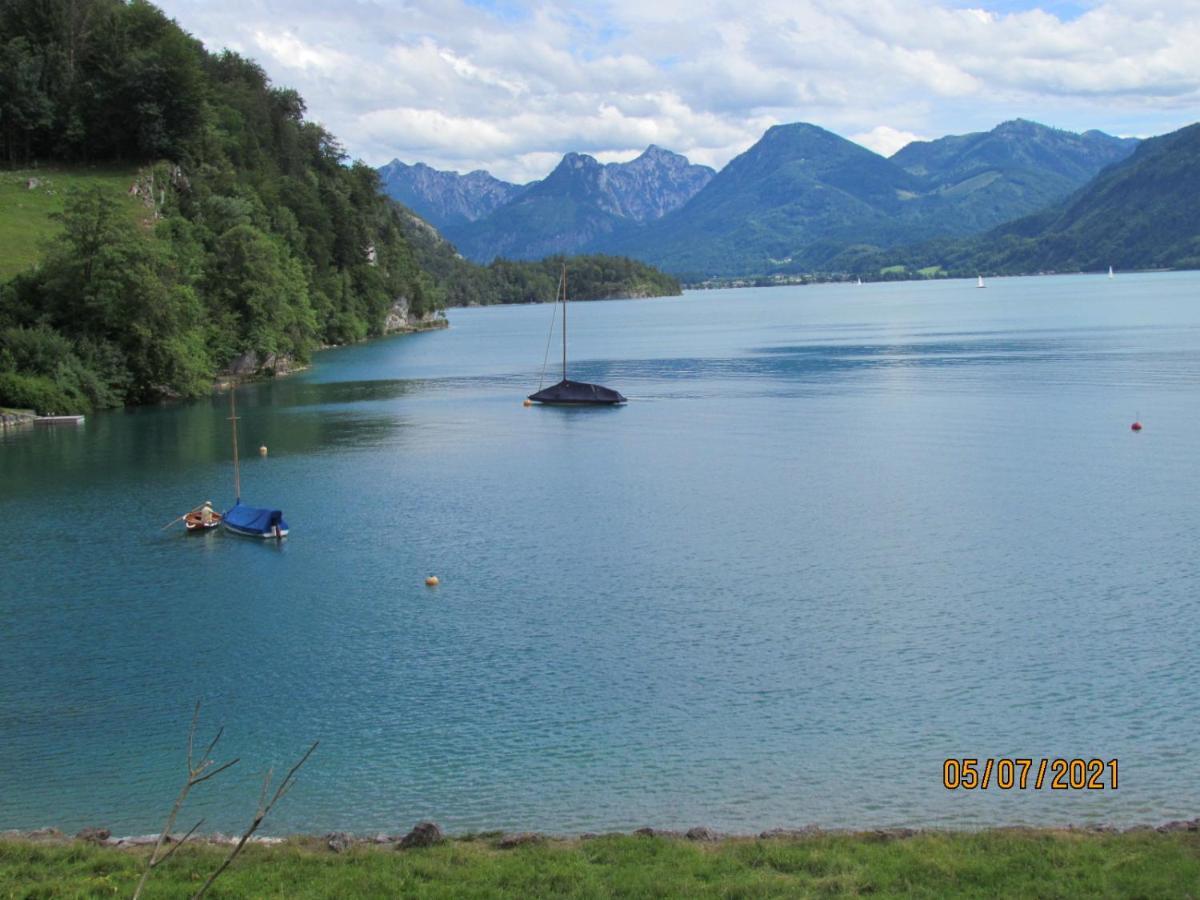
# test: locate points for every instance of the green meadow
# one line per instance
(28, 218)
(996, 863)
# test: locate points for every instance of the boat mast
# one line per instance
(237, 474)
(563, 282)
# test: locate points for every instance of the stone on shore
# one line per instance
(94, 835)
(701, 833)
(509, 841)
(789, 833)
(424, 834)
(658, 832)
(1188, 825)
(339, 841)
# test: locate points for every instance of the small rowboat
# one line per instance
(195, 522)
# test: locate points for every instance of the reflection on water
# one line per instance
(837, 536)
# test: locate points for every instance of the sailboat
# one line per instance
(980, 283)
(251, 521)
(573, 393)
(858, 281)
(1110, 272)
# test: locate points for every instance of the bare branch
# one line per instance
(179, 843)
(217, 771)
(192, 735)
(290, 778)
(263, 809)
(212, 745)
(194, 777)
(262, 794)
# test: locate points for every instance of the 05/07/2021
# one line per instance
(1077, 774)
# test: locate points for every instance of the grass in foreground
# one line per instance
(987, 864)
(27, 217)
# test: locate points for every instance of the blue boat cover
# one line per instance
(572, 393)
(254, 520)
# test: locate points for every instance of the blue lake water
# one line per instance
(838, 534)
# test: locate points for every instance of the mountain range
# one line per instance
(445, 199)
(572, 208)
(797, 200)
(1139, 213)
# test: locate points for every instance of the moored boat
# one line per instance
(194, 522)
(251, 521)
(572, 393)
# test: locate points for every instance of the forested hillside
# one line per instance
(596, 277)
(1139, 213)
(257, 238)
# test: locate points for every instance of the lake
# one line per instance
(837, 535)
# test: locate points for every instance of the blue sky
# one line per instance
(509, 85)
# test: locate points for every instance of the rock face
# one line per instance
(400, 320)
(250, 363)
(445, 198)
(424, 834)
(581, 202)
(13, 417)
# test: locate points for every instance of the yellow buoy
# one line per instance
(527, 402)
(262, 451)
(431, 581)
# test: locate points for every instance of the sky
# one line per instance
(511, 85)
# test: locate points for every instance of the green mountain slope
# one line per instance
(1139, 213)
(1016, 168)
(562, 213)
(796, 191)
(801, 196)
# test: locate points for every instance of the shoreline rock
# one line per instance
(249, 366)
(15, 418)
(429, 834)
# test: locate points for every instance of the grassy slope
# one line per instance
(985, 864)
(27, 220)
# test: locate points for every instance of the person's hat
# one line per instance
(208, 503)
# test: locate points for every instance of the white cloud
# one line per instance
(885, 140)
(451, 84)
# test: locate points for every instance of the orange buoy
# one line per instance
(1136, 426)
(431, 581)
(527, 402)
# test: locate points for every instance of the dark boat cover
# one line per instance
(577, 392)
(253, 520)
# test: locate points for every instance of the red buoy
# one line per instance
(1136, 426)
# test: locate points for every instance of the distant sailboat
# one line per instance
(980, 283)
(1110, 272)
(573, 393)
(858, 281)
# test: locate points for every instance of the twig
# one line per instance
(196, 774)
(264, 808)
(179, 843)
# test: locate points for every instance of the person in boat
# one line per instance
(206, 513)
